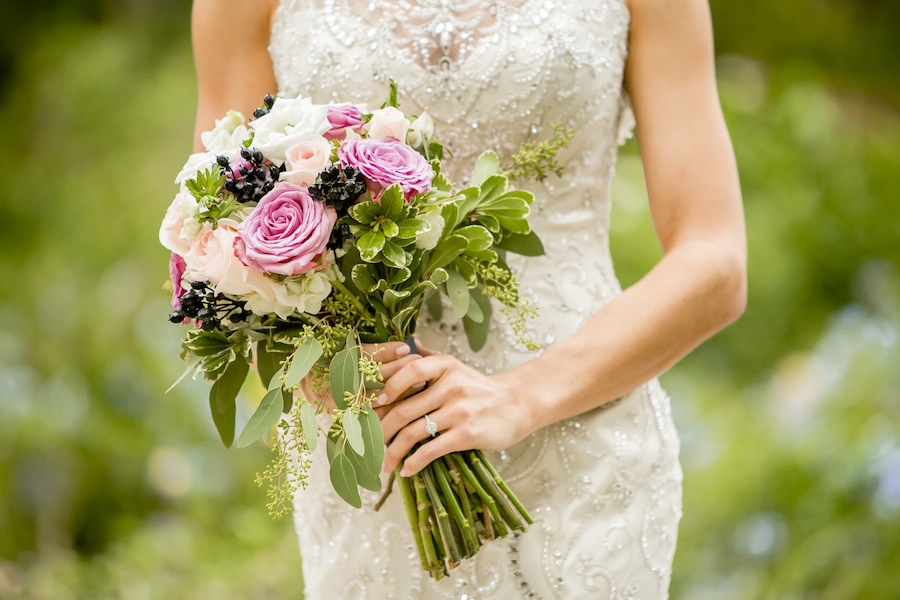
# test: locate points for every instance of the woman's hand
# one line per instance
(471, 410)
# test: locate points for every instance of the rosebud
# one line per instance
(420, 131)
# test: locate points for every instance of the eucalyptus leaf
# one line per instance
(263, 418)
(305, 356)
(353, 431)
(310, 425)
(343, 478)
(344, 375)
(458, 292)
(268, 362)
(373, 438)
(475, 314)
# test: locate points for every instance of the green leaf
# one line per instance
(305, 356)
(394, 255)
(373, 438)
(489, 222)
(434, 306)
(487, 164)
(515, 225)
(391, 100)
(363, 279)
(263, 418)
(412, 228)
(269, 361)
(458, 292)
(310, 425)
(439, 276)
(528, 244)
(398, 276)
(365, 212)
(222, 399)
(477, 333)
(466, 201)
(403, 318)
(475, 314)
(343, 478)
(447, 251)
(389, 228)
(354, 432)
(450, 214)
(344, 375)
(392, 202)
(393, 297)
(479, 237)
(370, 244)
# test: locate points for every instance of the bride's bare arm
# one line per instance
(234, 71)
(698, 288)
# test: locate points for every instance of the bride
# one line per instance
(582, 430)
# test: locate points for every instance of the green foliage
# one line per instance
(537, 160)
(208, 189)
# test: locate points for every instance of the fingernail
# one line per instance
(382, 398)
(403, 350)
(403, 472)
(418, 386)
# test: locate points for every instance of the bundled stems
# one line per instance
(454, 505)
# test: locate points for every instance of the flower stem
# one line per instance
(423, 508)
(489, 501)
(503, 486)
(509, 514)
(465, 527)
(409, 503)
(443, 518)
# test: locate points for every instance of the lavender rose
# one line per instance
(386, 162)
(287, 233)
(343, 117)
(176, 274)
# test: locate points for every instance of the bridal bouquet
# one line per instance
(311, 229)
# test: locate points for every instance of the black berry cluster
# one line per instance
(251, 177)
(268, 103)
(200, 302)
(338, 187)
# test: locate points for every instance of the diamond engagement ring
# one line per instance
(430, 426)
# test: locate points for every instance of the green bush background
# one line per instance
(789, 419)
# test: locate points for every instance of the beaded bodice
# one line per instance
(605, 486)
(493, 75)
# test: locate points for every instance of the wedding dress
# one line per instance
(605, 487)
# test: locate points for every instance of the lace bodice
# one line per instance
(604, 486)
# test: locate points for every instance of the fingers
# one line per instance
(410, 435)
(389, 369)
(439, 446)
(386, 352)
(421, 371)
(408, 412)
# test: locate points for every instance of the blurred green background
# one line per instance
(111, 489)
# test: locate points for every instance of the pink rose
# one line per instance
(343, 117)
(386, 162)
(305, 160)
(388, 122)
(176, 274)
(170, 232)
(286, 233)
(212, 258)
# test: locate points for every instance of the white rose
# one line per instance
(420, 131)
(195, 163)
(305, 160)
(228, 136)
(211, 258)
(388, 123)
(289, 122)
(429, 239)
